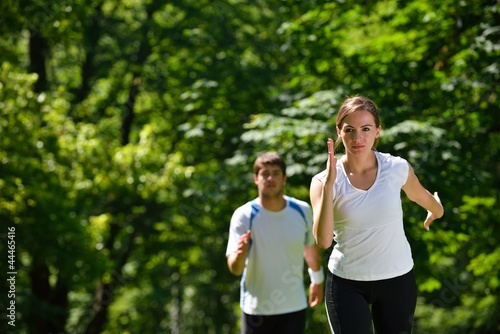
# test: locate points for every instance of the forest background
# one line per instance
(128, 130)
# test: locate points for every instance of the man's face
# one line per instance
(270, 181)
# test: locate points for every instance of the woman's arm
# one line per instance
(322, 205)
(418, 194)
(321, 196)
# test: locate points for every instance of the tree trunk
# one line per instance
(49, 309)
(38, 49)
(106, 291)
(49, 305)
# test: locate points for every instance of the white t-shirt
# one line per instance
(368, 224)
(272, 282)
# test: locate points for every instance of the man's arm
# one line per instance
(313, 259)
(236, 260)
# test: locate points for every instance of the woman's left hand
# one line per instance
(430, 215)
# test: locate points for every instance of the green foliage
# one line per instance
(128, 130)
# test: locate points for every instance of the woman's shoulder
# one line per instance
(393, 164)
(389, 158)
(321, 176)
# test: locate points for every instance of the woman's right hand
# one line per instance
(331, 163)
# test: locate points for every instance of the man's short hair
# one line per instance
(269, 158)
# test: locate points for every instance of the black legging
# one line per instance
(392, 303)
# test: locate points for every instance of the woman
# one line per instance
(356, 201)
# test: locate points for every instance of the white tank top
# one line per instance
(370, 243)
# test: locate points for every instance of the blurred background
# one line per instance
(128, 130)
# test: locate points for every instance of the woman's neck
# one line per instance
(360, 164)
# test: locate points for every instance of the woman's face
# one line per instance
(358, 132)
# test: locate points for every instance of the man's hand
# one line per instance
(236, 260)
(244, 243)
(316, 292)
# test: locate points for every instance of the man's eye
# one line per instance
(266, 175)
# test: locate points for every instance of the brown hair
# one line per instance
(269, 158)
(353, 104)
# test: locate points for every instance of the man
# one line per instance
(269, 238)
